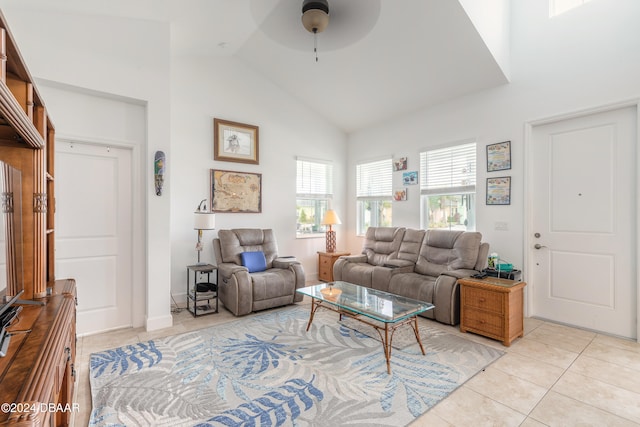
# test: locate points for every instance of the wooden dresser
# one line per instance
(492, 307)
(38, 373)
(325, 264)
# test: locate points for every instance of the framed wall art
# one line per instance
(410, 178)
(400, 194)
(499, 156)
(499, 190)
(235, 142)
(400, 164)
(236, 192)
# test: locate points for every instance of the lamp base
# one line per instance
(331, 241)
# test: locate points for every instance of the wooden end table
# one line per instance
(492, 307)
(325, 264)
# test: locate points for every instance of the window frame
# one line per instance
(311, 192)
(381, 194)
(466, 191)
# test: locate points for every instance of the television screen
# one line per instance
(11, 279)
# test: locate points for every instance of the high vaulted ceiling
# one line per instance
(377, 59)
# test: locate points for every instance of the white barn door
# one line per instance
(582, 236)
(94, 231)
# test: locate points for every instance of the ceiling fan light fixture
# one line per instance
(315, 15)
(315, 18)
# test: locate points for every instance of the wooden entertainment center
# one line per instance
(37, 375)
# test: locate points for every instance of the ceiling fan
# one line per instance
(351, 20)
(315, 18)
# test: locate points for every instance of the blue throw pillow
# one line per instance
(254, 261)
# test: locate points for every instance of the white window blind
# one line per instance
(374, 179)
(450, 170)
(314, 179)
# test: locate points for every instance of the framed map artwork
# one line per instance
(236, 192)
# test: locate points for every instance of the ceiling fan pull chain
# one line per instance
(315, 43)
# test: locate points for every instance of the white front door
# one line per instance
(582, 268)
(93, 232)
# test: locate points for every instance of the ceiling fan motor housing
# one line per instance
(315, 15)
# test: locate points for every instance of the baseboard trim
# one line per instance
(160, 322)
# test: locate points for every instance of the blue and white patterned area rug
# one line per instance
(266, 370)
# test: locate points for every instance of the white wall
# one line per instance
(225, 88)
(492, 19)
(584, 58)
(117, 57)
(90, 117)
(130, 59)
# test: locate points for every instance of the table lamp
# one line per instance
(331, 218)
(202, 220)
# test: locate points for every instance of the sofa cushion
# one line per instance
(413, 285)
(273, 283)
(444, 250)
(239, 240)
(382, 244)
(254, 261)
(410, 245)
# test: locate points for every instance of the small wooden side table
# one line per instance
(325, 264)
(492, 307)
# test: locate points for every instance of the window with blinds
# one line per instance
(374, 194)
(373, 179)
(448, 187)
(314, 190)
(449, 170)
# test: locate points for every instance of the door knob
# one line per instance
(538, 246)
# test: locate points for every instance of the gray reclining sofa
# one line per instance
(420, 264)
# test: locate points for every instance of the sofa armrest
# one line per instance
(446, 295)
(226, 269)
(294, 265)
(399, 263)
(300, 280)
(353, 258)
(344, 261)
(234, 289)
(284, 262)
(461, 273)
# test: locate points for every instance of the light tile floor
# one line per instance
(553, 376)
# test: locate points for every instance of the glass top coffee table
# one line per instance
(383, 311)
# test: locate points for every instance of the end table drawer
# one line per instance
(483, 299)
(492, 324)
(325, 270)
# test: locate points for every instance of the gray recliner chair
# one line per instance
(242, 290)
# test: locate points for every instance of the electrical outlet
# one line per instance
(501, 226)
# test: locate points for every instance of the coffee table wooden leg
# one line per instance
(387, 347)
(417, 332)
(314, 306)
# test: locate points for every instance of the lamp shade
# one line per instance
(331, 218)
(204, 221)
